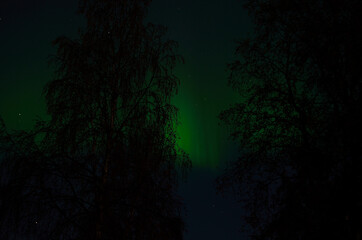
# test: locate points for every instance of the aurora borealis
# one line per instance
(205, 32)
(206, 41)
(126, 151)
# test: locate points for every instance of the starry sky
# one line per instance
(206, 32)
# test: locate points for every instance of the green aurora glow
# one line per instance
(199, 130)
(207, 45)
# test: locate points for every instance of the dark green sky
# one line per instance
(205, 31)
(27, 29)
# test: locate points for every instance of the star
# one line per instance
(19, 114)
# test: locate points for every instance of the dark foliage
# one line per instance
(106, 165)
(299, 120)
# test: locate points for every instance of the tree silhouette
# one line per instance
(298, 120)
(105, 166)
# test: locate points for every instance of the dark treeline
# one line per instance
(106, 164)
(298, 122)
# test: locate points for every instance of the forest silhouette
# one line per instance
(106, 165)
(298, 124)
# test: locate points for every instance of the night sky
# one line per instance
(206, 32)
